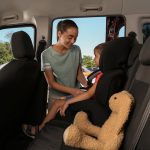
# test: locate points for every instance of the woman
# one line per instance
(61, 62)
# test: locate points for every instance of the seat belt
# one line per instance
(140, 127)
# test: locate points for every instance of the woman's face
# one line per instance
(68, 38)
(96, 58)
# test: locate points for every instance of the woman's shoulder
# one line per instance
(46, 51)
(75, 48)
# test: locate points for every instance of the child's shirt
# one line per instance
(98, 77)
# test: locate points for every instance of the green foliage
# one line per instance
(88, 61)
(5, 53)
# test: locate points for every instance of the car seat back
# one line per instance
(113, 64)
(137, 128)
(133, 62)
(18, 82)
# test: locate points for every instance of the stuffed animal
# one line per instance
(83, 134)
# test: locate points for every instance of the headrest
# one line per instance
(115, 54)
(134, 53)
(144, 56)
(41, 48)
(22, 46)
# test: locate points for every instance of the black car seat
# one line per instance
(18, 87)
(120, 45)
(40, 49)
(132, 63)
(113, 64)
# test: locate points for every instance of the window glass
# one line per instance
(146, 31)
(122, 32)
(93, 31)
(5, 37)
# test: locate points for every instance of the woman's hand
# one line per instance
(63, 108)
(76, 92)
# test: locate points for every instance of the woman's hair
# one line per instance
(99, 47)
(65, 24)
(62, 26)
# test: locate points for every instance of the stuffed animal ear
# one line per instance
(130, 99)
(129, 94)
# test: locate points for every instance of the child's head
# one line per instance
(97, 52)
(67, 32)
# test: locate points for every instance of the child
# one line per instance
(63, 103)
(90, 93)
(61, 63)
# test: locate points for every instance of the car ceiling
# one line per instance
(55, 8)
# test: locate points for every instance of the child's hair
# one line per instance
(62, 26)
(99, 48)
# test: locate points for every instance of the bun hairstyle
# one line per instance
(65, 24)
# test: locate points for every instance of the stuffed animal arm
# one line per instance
(83, 134)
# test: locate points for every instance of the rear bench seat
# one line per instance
(137, 137)
(45, 141)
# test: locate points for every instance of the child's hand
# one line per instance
(63, 109)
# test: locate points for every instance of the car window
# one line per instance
(146, 31)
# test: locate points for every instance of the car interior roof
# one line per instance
(56, 8)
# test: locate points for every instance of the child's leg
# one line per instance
(52, 112)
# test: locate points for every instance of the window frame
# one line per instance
(22, 25)
(145, 23)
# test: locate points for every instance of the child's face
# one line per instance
(97, 57)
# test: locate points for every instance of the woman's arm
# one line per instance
(52, 82)
(81, 77)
